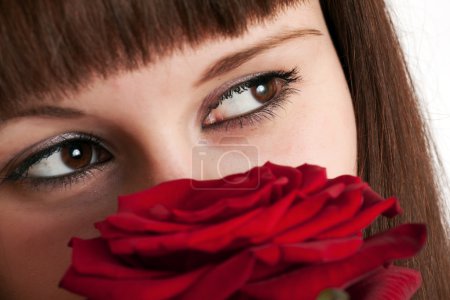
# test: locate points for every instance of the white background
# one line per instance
(424, 30)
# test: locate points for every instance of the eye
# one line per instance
(249, 97)
(61, 160)
(71, 157)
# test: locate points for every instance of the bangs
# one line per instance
(49, 49)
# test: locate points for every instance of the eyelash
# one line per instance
(265, 112)
(19, 173)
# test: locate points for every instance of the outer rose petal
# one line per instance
(363, 219)
(223, 280)
(228, 207)
(314, 178)
(307, 282)
(97, 274)
(263, 224)
(100, 288)
(391, 283)
(93, 257)
(309, 252)
(303, 210)
(345, 207)
(164, 244)
(371, 198)
(127, 223)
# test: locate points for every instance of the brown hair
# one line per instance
(51, 48)
(395, 149)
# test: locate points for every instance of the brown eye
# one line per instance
(265, 92)
(244, 99)
(70, 157)
(77, 155)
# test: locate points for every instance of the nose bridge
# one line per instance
(163, 131)
(166, 153)
(156, 114)
(171, 158)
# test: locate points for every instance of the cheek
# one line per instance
(317, 128)
(328, 144)
(33, 243)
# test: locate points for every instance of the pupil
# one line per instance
(76, 153)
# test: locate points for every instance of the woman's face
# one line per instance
(278, 91)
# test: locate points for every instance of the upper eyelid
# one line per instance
(252, 79)
(244, 84)
(232, 84)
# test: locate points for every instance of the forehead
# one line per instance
(51, 48)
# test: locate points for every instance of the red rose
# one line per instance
(295, 236)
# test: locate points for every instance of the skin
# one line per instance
(149, 121)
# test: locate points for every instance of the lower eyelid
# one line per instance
(38, 184)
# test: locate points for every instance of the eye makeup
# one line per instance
(19, 171)
(253, 82)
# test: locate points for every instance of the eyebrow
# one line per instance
(234, 60)
(41, 111)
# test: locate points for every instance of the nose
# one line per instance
(156, 158)
(168, 159)
(169, 162)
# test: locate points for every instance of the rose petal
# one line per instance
(371, 198)
(305, 209)
(139, 203)
(123, 223)
(344, 208)
(149, 245)
(360, 221)
(100, 288)
(93, 257)
(393, 283)
(401, 242)
(249, 182)
(347, 180)
(308, 252)
(262, 225)
(314, 178)
(227, 207)
(294, 175)
(182, 189)
(224, 280)
(216, 237)
(208, 239)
